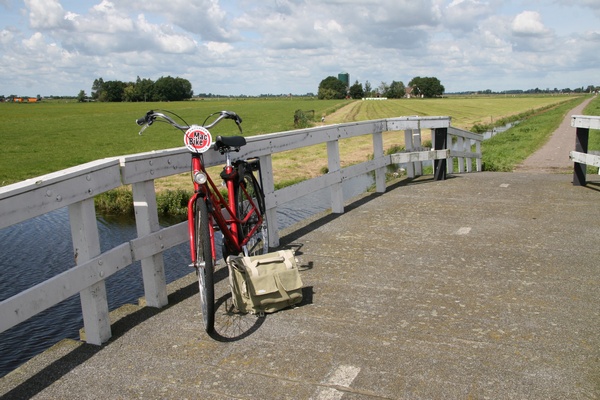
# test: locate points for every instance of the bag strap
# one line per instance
(287, 260)
(253, 264)
(281, 289)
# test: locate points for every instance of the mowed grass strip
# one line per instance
(466, 111)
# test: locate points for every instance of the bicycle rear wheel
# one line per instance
(204, 265)
(247, 190)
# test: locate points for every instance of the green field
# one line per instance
(50, 136)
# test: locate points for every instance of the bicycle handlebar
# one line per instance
(151, 116)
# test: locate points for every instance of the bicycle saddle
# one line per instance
(224, 142)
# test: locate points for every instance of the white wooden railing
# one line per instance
(76, 187)
(581, 156)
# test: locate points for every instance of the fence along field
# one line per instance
(49, 136)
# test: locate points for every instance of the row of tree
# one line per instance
(164, 89)
(589, 89)
(333, 88)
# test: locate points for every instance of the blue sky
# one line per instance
(58, 47)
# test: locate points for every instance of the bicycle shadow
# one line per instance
(231, 325)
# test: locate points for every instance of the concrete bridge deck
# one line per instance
(482, 286)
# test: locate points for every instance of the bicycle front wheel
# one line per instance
(250, 209)
(204, 265)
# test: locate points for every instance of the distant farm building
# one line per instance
(21, 99)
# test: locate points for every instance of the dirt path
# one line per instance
(554, 155)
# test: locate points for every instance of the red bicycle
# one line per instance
(239, 214)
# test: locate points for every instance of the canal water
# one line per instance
(40, 248)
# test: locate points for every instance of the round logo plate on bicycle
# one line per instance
(197, 139)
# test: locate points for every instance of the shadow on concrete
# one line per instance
(593, 185)
(59, 368)
(289, 240)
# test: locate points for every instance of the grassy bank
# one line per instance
(504, 151)
(594, 109)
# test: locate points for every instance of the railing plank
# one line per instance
(585, 158)
(400, 158)
(585, 121)
(33, 197)
(36, 299)
(159, 241)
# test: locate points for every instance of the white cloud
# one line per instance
(466, 15)
(282, 46)
(46, 14)
(529, 23)
(531, 35)
(205, 18)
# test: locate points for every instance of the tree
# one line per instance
(144, 89)
(172, 89)
(164, 89)
(332, 88)
(112, 91)
(81, 96)
(368, 88)
(383, 88)
(356, 91)
(97, 88)
(396, 90)
(427, 86)
(129, 92)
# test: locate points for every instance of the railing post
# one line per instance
(86, 245)
(417, 143)
(408, 146)
(581, 145)
(460, 146)
(334, 166)
(146, 221)
(378, 153)
(478, 151)
(440, 136)
(268, 182)
(469, 160)
(453, 146)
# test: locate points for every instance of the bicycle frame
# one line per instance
(217, 206)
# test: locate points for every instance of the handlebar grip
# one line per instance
(146, 119)
(232, 115)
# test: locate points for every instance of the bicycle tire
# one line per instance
(204, 265)
(259, 243)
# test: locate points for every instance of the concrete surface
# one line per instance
(483, 286)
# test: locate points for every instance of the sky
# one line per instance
(252, 47)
